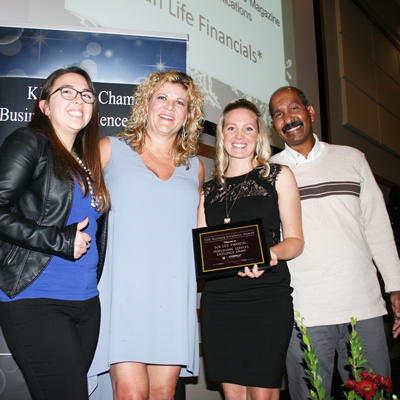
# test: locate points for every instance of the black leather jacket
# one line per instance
(34, 209)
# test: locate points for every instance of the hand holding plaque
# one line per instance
(225, 250)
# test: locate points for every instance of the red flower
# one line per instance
(384, 383)
(351, 384)
(366, 388)
(380, 381)
(370, 377)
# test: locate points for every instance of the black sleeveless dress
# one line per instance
(246, 323)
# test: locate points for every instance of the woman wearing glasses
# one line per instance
(53, 202)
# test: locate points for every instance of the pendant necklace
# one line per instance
(95, 201)
(227, 220)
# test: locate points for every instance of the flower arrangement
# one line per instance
(365, 385)
(370, 386)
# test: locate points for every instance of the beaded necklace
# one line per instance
(95, 201)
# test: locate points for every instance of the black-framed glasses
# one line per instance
(69, 93)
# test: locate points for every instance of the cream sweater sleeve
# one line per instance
(378, 230)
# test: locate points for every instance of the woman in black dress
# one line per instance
(247, 320)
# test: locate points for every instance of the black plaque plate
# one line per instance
(224, 250)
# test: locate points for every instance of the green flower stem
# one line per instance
(355, 360)
(312, 363)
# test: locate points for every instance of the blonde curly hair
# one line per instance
(262, 152)
(135, 132)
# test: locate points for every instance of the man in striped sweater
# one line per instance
(347, 232)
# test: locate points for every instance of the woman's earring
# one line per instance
(183, 132)
(146, 122)
(257, 149)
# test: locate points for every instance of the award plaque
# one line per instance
(224, 250)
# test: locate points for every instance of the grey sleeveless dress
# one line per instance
(148, 288)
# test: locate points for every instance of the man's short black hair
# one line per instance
(302, 96)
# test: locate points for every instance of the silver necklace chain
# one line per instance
(227, 220)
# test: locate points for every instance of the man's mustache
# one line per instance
(292, 125)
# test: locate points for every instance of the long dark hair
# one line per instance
(86, 143)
